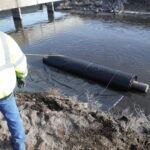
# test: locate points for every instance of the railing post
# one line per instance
(53, 9)
(19, 10)
(20, 15)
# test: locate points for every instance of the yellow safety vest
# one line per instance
(12, 64)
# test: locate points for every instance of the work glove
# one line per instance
(20, 82)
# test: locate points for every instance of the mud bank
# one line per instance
(106, 6)
(60, 123)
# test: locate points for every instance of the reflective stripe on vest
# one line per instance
(20, 60)
(6, 55)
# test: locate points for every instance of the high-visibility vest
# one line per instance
(12, 64)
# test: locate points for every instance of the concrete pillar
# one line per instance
(31, 15)
(50, 6)
(53, 9)
(17, 14)
(20, 15)
(43, 7)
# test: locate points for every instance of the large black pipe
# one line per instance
(99, 73)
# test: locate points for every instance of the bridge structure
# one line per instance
(13, 4)
(18, 7)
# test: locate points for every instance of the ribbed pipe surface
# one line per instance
(98, 73)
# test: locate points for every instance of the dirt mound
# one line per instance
(58, 123)
(105, 6)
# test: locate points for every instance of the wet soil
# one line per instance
(56, 122)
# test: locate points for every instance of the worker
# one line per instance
(13, 67)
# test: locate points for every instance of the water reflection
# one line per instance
(119, 42)
(44, 30)
(141, 21)
(37, 17)
(60, 15)
(7, 22)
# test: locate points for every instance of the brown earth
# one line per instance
(55, 122)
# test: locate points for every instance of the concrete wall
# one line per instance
(24, 3)
(10, 4)
(7, 4)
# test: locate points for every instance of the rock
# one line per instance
(57, 122)
(111, 6)
(99, 3)
(97, 10)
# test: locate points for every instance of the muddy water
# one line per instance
(118, 42)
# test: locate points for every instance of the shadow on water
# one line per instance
(137, 20)
(120, 42)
